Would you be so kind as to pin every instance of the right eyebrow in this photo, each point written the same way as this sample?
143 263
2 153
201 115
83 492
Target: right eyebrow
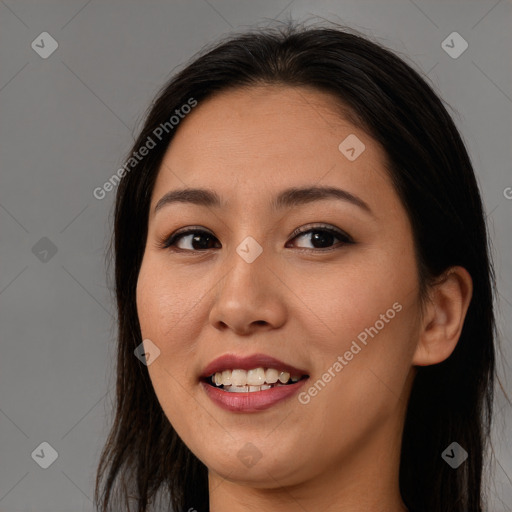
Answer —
199 196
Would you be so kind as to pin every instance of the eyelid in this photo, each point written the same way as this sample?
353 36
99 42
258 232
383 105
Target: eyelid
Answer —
166 241
324 227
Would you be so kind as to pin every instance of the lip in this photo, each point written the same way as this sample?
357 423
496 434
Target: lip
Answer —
252 401
236 362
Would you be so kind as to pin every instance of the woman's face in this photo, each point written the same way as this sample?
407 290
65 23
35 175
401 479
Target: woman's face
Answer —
343 311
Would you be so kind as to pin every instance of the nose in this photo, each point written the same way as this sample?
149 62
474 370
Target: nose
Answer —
249 298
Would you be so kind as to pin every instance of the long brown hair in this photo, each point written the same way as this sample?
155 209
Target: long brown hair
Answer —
432 172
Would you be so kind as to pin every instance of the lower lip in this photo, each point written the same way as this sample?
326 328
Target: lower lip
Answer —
252 401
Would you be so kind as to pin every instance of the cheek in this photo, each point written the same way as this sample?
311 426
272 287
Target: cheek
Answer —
162 304
161 310
369 317
145 296
168 306
344 302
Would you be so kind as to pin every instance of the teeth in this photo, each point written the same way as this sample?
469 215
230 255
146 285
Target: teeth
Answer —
226 378
250 389
284 377
239 377
239 389
255 378
271 376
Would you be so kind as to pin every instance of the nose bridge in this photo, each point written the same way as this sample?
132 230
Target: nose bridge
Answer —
244 296
247 255
247 261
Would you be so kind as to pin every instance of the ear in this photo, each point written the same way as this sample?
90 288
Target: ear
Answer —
444 316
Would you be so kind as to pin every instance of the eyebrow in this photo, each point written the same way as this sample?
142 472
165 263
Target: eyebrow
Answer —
286 199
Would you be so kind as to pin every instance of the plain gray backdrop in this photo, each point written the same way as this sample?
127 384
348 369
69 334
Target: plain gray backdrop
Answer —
67 120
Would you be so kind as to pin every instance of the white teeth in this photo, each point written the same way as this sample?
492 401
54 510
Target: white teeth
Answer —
256 377
239 377
237 389
226 378
271 376
284 377
250 389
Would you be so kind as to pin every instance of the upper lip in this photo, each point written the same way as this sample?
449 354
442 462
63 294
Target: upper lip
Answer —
236 362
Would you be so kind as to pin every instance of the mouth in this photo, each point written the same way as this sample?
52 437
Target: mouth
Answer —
250 384
252 381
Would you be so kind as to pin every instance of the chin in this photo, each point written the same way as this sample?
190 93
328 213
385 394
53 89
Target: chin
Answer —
266 472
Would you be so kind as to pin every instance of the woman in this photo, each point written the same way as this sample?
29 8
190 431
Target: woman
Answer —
304 289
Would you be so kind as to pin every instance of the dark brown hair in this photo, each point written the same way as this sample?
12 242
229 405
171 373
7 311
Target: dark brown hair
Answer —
432 172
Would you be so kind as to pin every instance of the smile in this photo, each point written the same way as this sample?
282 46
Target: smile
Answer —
254 380
250 383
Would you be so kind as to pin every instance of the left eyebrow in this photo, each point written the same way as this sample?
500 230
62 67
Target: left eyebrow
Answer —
288 198
297 196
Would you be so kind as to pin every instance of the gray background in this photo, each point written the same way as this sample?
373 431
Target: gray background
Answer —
66 123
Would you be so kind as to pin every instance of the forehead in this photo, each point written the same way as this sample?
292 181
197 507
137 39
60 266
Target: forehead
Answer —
256 139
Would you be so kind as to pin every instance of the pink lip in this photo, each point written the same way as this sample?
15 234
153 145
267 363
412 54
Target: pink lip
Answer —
251 401
234 362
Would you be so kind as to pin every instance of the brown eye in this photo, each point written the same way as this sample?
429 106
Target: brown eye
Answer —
199 240
322 237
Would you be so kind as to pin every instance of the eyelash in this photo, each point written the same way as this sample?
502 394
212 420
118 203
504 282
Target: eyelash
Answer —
168 242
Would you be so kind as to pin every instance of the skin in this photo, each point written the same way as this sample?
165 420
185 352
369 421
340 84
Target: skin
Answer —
296 302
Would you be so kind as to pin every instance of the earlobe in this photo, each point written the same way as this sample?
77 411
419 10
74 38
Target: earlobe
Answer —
444 317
